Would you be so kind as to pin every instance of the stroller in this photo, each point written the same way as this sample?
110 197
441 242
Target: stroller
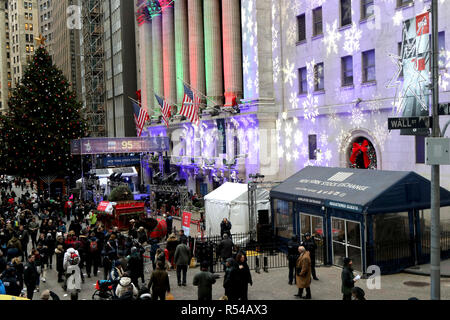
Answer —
104 290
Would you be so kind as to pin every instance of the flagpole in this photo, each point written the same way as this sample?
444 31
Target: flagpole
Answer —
209 99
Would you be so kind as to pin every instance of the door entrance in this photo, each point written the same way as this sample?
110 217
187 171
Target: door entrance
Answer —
346 242
314 226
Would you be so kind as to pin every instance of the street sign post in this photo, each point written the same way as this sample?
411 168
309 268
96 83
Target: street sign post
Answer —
409 123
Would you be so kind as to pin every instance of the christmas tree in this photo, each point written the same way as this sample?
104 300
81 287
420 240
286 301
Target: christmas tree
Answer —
43 117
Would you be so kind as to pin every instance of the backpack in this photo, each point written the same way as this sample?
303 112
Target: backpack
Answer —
2 288
93 246
74 259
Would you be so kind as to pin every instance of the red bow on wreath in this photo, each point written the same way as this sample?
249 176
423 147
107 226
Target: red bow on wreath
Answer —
360 148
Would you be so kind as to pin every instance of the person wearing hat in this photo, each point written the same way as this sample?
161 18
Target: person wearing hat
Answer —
311 246
135 266
204 281
348 279
358 294
11 282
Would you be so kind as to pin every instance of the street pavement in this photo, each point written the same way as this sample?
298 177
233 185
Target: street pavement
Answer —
273 285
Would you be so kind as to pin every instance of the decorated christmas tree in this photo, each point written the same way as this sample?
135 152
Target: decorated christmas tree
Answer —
43 117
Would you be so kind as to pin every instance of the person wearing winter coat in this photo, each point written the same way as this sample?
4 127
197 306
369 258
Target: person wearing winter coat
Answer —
311 246
125 285
33 228
204 281
31 276
70 264
93 257
136 266
225 228
159 283
348 279
18 265
182 259
14 248
244 277
230 279
11 282
225 249
171 246
303 273
24 238
59 252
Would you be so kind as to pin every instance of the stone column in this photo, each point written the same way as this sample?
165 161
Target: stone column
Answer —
232 50
168 46
196 46
213 51
181 47
158 85
146 62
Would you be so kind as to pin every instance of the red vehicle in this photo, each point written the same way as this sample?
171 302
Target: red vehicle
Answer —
124 211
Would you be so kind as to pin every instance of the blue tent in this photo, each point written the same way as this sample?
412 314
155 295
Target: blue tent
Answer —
375 217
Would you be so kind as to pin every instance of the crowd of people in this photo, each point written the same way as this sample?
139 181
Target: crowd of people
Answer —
64 236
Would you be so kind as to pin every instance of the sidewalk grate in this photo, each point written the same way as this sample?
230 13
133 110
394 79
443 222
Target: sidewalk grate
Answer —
416 283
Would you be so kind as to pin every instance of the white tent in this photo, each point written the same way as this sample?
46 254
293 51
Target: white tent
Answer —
231 201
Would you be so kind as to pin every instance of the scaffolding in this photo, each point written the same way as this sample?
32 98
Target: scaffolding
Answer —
94 71
253 186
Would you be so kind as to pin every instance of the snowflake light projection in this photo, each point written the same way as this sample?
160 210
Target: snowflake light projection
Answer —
444 64
245 65
332 37
289 73
310 74
294 100
292 35
352 37
357 118
333 119
381 133
398 18
250 48
341 140
310 106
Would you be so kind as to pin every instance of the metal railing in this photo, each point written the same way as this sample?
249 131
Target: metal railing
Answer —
260 256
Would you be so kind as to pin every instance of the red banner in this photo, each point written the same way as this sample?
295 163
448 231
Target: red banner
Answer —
186 222
102 206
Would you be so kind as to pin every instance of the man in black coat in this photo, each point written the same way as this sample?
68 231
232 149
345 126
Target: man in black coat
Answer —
225 249
348 279
292 257
30 275
225 227
311 246
230 279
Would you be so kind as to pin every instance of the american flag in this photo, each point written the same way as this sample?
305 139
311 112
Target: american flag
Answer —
165 109
140 117
190 106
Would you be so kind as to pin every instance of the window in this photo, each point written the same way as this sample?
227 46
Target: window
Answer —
367 9
400 54
368 66
31 27
30 6
318 77
312 146
303 81
31 48
27 48
284 218
441 46
346 12
301 25
420 149
26 16
347 71
317 21
401 3
25 4
26 26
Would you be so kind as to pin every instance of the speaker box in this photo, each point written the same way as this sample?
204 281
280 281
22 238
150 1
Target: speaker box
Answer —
264 233
166 162
263 217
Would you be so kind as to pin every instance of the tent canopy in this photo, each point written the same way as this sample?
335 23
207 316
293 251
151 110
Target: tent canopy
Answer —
231 201
358 190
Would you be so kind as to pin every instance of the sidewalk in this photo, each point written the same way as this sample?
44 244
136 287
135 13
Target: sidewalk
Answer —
424 269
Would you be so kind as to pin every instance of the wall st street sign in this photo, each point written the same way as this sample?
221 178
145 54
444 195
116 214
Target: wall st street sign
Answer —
409 123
